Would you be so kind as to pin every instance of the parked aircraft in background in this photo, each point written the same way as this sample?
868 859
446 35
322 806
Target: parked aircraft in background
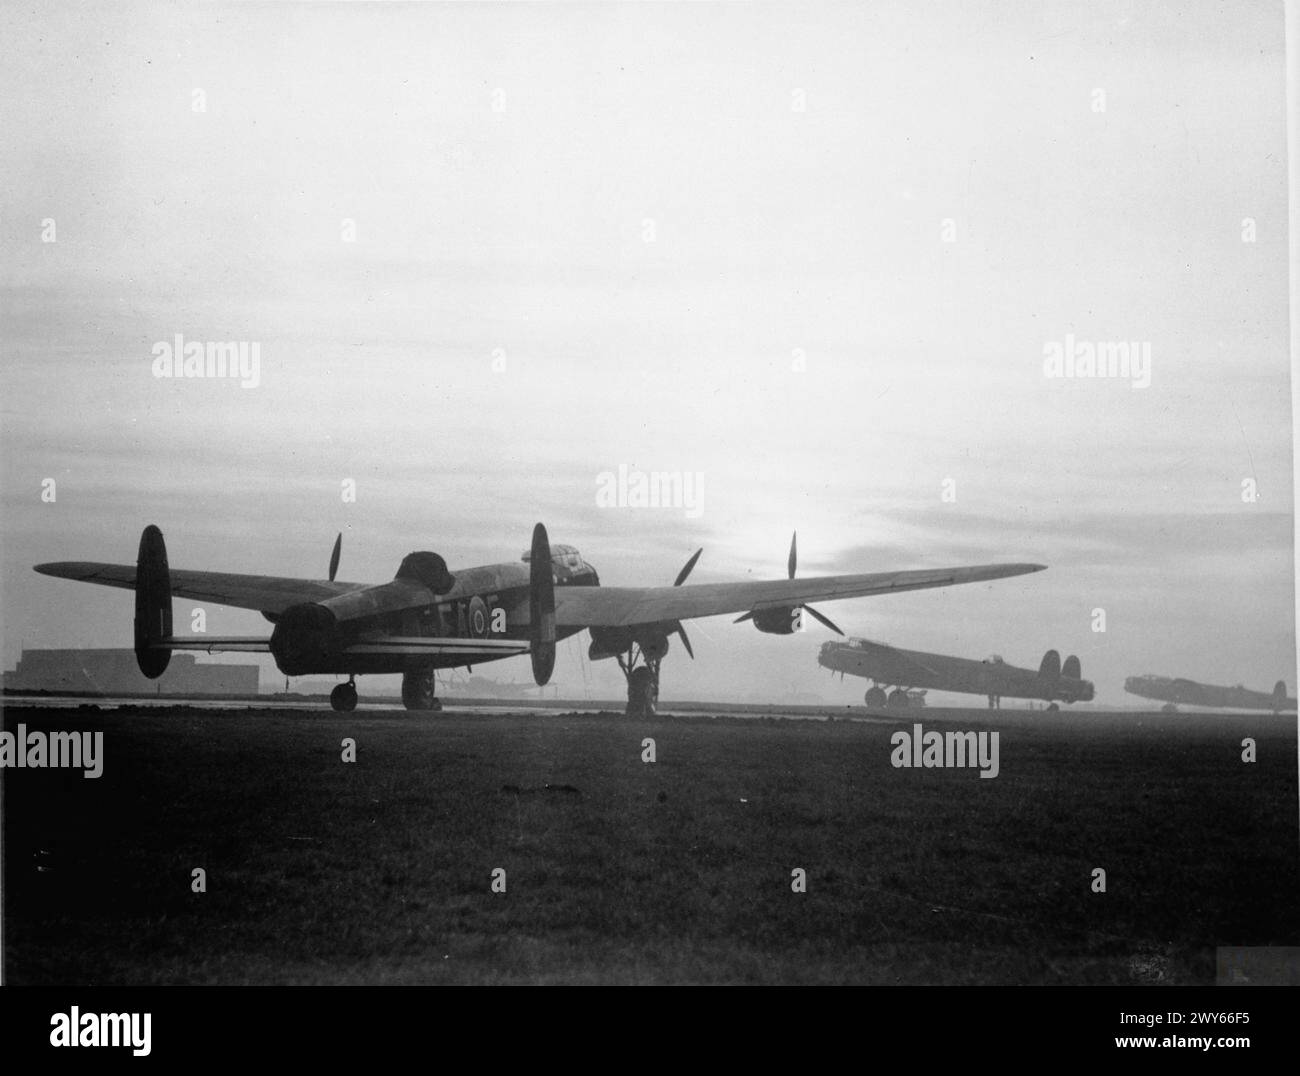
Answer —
888 666
1190 693
426 618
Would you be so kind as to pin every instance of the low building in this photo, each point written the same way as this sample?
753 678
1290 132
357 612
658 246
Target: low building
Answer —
114 672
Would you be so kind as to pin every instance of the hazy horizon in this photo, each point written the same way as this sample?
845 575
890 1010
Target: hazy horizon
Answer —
818 255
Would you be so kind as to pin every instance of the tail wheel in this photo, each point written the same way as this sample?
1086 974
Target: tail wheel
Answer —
642 692
418 691
1053 709
876 699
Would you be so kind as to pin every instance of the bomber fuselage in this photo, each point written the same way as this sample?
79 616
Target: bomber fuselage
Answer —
486 602
1190 693
916 669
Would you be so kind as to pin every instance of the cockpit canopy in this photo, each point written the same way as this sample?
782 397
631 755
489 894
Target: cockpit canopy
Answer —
565 555
568 564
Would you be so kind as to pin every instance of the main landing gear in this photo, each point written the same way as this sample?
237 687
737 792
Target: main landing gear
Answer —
877 699
642 681
417 693
344 696
418 690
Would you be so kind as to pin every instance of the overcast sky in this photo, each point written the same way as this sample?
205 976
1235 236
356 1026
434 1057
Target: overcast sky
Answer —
816 254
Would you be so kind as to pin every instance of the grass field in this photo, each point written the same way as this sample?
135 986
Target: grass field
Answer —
619 871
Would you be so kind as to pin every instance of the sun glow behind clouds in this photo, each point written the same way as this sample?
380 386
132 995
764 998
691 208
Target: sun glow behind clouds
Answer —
500 331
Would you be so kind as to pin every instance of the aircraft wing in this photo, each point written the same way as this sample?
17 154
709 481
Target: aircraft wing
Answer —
621 607
268 593
575 607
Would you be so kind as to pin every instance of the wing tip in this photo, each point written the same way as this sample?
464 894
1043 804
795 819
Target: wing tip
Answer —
997 571
82 570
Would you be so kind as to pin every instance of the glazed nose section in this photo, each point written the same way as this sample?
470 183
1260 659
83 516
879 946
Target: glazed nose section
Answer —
304 639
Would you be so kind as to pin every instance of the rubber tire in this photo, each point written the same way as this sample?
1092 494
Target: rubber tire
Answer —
642 693
418 691
343 698
898 699
876 699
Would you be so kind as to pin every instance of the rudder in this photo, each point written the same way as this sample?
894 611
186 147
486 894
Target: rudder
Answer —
1050 669
153 604
541 606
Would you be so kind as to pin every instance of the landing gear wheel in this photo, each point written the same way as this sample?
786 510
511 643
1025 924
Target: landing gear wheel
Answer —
344 697
642 692
898 699
1053 709
877 699
418 691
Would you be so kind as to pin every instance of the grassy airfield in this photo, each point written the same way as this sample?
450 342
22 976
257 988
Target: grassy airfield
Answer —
621 871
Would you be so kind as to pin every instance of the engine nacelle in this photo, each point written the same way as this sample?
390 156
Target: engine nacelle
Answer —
654 649
783 621
612 642
609 642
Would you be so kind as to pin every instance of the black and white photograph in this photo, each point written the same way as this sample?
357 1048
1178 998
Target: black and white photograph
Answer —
649 494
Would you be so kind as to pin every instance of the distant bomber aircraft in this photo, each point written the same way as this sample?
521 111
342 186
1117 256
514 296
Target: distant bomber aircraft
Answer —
428 619
906 669
1190 693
